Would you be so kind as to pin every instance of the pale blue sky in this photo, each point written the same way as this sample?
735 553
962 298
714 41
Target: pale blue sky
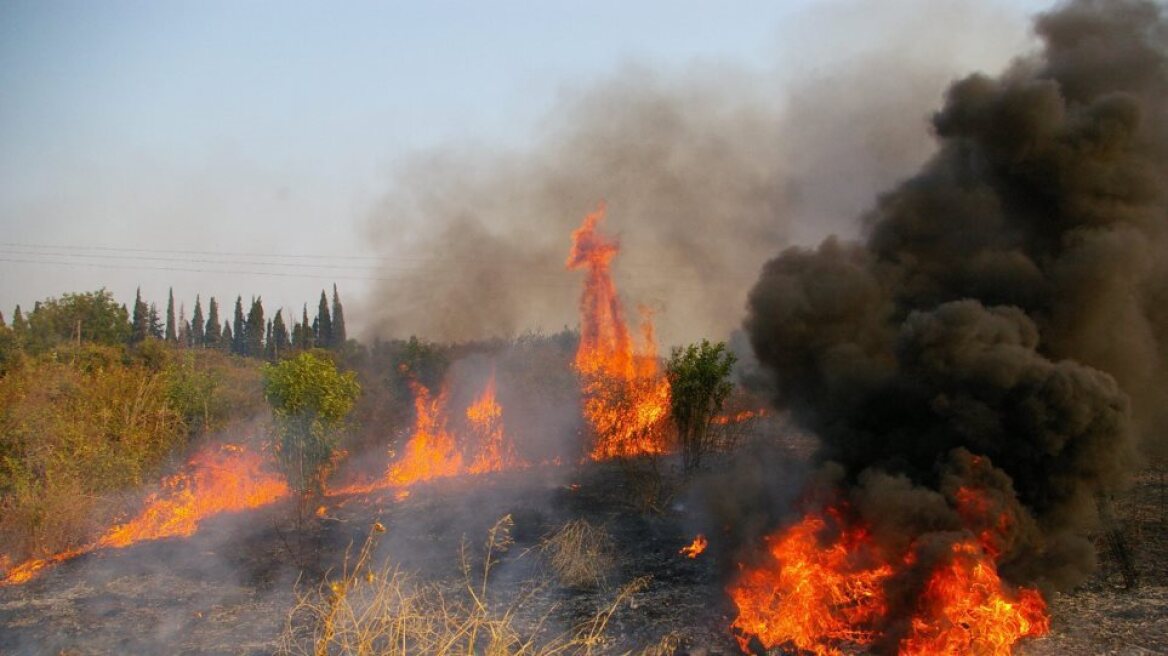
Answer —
264 127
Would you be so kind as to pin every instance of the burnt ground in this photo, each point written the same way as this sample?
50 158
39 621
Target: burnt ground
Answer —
228 589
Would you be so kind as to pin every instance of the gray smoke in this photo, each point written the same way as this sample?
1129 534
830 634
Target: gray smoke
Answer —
706 174
1007 302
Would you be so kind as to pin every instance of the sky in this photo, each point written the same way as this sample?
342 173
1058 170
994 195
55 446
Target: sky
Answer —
224 148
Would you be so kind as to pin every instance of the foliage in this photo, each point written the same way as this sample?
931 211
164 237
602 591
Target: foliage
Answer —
310 399
73 427
699 379
86 317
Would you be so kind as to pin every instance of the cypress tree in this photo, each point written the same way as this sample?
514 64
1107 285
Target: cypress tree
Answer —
19 325
227 338
156 329
140 327
253 336
212 335
239 329
278 341
324 323
198 330
306 331
339 336
171 327
2 324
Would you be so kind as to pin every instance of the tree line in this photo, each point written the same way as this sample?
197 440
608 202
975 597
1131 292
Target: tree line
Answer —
97 317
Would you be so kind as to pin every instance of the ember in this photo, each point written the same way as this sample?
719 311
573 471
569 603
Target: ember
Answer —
695 548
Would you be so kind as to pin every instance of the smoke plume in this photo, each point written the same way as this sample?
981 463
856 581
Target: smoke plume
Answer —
706 174
1002 325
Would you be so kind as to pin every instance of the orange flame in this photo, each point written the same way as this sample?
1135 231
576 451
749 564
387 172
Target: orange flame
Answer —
226 478
695 548
738 418
822 589
431 452
626 399
485 416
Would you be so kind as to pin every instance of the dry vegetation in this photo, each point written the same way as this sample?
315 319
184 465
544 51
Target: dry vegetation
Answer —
80 426
579 553
385 611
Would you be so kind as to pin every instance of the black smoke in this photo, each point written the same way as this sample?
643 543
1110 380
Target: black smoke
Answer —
1007 305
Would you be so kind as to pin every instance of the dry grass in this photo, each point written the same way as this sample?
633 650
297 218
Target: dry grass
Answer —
579 553
385 611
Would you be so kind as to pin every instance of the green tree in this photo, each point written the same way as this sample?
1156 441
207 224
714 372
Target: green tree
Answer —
699 379
85 317
253 336
19 325
198 329
228 340
310 399
171 327
213 333
324 323
306 331
239 329
338 327
156 328
278 343
140 329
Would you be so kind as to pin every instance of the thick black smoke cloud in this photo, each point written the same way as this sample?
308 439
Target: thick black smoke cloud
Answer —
1008 302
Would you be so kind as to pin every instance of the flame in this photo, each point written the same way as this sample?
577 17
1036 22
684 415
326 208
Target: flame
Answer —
626 398
485 417
822 589
431 451
738 418
695 548
217 479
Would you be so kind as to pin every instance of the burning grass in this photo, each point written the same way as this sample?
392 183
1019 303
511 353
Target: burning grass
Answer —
386 611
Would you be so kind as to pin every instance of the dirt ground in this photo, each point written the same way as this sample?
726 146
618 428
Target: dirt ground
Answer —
228 589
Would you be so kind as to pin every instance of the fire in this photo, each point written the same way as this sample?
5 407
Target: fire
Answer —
822 589
224 478
740 417
695 548
431 451
485 417
626 398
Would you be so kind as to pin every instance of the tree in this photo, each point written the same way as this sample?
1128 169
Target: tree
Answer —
278 343
253 337
239 329
699 384
156 327
19 325
2 324
198 329
338 327
171 327
228 341
89 316
310 399
324 323
213 333
140 327
306 331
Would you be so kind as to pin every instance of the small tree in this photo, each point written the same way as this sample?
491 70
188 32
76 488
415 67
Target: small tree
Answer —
699 384
310 399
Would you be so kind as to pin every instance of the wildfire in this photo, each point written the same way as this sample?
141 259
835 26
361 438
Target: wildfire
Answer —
740 417
485 417
626 398
431 451
224 478
823 588
695 548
